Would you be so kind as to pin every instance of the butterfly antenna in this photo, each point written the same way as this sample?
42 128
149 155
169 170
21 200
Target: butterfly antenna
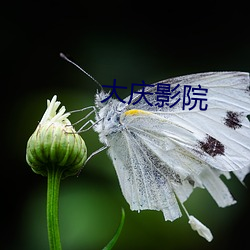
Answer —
68 60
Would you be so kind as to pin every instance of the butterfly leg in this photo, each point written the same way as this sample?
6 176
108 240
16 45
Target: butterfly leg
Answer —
86 116
91 155
83 129
96 152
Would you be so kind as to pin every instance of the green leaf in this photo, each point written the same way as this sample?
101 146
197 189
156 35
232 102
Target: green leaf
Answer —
117 234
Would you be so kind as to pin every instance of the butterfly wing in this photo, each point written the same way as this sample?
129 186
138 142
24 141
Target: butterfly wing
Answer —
222 132
142 185
163 152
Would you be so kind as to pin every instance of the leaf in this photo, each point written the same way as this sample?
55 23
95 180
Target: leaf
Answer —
117 234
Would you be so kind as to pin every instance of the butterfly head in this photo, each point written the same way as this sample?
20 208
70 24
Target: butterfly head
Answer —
100 97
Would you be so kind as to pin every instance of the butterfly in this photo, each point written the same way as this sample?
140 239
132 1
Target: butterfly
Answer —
161 153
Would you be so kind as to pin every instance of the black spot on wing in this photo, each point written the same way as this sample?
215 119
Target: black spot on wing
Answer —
233 119
212 146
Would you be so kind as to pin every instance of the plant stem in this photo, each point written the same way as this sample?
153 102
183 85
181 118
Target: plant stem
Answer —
54 177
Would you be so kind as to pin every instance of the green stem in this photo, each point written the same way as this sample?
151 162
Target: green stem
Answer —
54 177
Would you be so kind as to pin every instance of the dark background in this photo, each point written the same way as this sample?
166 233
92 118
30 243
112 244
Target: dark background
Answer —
129 41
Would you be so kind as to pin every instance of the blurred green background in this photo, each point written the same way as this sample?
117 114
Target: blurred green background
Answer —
131 42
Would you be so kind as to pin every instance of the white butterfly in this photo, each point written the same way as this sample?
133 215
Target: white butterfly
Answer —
161 154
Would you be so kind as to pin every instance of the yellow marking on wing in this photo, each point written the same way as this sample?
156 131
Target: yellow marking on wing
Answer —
137 112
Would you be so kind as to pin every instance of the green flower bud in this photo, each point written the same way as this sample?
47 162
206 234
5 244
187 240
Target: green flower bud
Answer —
55 144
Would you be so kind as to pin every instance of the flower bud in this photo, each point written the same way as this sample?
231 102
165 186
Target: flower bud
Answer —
55 144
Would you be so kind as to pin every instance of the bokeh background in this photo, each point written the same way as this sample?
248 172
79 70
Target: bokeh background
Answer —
130 41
